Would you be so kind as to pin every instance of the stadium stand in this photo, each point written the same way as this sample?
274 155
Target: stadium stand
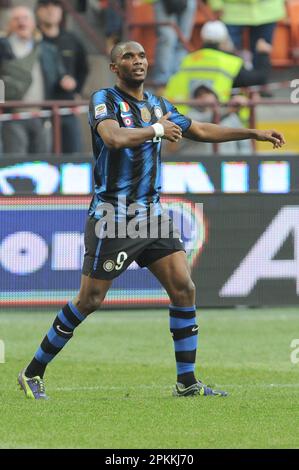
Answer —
293 12
141 27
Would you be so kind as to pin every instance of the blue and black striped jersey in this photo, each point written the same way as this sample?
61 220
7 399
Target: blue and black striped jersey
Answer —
128 174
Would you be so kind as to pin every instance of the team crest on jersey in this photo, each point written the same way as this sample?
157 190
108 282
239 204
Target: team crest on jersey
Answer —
127 120
124 107
158 112
145 114
100 110
109 265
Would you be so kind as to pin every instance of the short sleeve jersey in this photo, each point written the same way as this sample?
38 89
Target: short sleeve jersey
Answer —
130 174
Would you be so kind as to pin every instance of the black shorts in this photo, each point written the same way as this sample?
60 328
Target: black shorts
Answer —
107 258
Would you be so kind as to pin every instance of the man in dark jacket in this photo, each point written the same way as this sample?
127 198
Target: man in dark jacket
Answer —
49 17
32 71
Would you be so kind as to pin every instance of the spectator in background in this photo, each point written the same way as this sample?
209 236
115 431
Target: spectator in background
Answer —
214 64
32 71
81 5
4 6
106 15
113 23
260 16
207 102
169 50
49 17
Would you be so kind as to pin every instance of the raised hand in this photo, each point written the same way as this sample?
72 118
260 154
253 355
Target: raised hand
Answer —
68 83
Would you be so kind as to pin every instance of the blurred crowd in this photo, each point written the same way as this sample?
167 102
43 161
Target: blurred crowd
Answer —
40 59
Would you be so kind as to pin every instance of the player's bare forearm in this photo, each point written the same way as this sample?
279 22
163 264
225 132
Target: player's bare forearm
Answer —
205 132
116 137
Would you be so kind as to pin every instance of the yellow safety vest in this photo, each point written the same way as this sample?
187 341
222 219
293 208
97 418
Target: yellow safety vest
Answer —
209 66
249 12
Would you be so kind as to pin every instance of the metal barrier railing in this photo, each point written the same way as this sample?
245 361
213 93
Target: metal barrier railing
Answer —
49 109
54 110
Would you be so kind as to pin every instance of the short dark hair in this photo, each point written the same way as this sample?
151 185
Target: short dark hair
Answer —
116 50
118 47
42 3
203 89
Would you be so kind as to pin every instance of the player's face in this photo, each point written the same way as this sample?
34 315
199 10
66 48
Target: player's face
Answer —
131 65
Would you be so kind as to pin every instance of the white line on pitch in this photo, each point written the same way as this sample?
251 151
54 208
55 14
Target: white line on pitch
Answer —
165 387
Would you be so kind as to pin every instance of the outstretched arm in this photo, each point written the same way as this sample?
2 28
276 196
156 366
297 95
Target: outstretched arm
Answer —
205 132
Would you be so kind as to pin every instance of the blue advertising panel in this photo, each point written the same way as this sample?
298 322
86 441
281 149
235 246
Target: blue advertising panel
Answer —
42 248
50 175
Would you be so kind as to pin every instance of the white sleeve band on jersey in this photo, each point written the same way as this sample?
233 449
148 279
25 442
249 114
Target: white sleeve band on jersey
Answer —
159 129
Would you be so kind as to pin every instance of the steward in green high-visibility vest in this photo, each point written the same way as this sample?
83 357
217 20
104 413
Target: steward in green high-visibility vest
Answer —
219 69
249 12
215 68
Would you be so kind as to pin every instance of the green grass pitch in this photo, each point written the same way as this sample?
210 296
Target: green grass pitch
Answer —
111 386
